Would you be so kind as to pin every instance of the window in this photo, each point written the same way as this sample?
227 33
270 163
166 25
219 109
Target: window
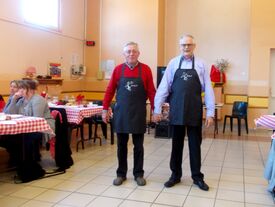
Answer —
44 13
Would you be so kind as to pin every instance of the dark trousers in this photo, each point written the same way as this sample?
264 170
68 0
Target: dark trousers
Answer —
194 142
31 143
13 145
122 150
22 147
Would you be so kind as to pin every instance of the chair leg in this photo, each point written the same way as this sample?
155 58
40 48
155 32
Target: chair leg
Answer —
81 138
95 135
239 126
224 123
90 128
231 124
104 129
246 125
82 134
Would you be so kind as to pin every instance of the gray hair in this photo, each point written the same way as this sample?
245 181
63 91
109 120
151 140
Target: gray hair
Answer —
131 43
188 35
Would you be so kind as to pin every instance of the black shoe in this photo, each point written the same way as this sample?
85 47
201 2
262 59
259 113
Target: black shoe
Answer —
201 184
171 182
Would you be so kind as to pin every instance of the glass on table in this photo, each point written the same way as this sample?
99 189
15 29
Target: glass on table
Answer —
55 99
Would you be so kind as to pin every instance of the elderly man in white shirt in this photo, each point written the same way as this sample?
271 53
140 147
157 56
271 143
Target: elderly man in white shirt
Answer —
184 80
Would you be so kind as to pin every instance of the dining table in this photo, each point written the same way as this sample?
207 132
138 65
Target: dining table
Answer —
14 124
76 113
19 124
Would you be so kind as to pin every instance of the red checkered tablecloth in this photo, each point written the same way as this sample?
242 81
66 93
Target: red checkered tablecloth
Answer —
267 121
24 125
75 114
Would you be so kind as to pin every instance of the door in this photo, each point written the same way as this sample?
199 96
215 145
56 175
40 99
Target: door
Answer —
271 107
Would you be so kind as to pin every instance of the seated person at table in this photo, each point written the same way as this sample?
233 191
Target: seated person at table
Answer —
10 142
31 104
13 90
2 103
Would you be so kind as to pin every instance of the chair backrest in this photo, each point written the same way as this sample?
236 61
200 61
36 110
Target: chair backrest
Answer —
63 114
98 102
239 108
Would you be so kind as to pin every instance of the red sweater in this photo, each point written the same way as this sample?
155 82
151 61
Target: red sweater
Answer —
146 76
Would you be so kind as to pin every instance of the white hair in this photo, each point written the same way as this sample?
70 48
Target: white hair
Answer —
130 43
187 35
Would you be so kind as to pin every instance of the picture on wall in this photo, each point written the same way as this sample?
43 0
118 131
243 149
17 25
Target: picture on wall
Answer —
55 70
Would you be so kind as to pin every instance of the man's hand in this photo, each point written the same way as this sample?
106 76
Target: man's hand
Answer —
208 121
105 116
156 118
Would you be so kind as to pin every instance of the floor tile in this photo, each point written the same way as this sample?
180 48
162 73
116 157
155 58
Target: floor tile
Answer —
117 192
11 201
235 186
29 192
257 198
92 189
105 180
223 203
68 186
143 195
8 188
152 186
255 188
105 202
33 203
170 199
233 168
53 196
192 201
77 199
46 183
230 195
128 203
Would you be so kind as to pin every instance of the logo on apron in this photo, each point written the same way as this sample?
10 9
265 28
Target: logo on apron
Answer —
185 76
129 85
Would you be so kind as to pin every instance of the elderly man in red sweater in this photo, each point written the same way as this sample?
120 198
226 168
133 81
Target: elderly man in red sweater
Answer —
132 82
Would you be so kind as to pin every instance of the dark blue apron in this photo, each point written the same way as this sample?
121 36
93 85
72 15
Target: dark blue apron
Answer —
130 108
185 97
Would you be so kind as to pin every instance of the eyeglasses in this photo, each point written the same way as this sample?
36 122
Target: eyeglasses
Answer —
131 51
187 45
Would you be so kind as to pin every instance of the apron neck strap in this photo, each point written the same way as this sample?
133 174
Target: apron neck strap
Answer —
193 62
124 66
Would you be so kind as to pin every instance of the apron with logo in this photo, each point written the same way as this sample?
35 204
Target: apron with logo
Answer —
130 108
185 98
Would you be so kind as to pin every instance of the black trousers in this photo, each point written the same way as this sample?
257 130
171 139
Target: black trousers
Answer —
194 141
122 151
22 147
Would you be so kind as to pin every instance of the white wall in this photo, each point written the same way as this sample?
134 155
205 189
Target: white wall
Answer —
221 29
129 20
23 45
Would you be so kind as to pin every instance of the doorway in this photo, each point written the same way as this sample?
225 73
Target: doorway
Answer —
271 105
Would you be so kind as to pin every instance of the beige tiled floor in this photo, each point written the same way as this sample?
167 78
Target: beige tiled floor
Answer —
233 167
